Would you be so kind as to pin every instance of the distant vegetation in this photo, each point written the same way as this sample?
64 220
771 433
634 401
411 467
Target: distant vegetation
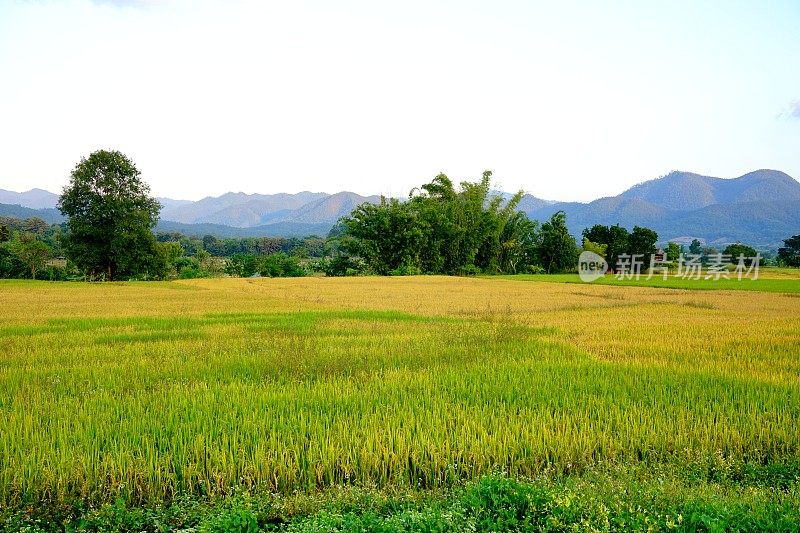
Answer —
440 229
761 208
616 240
789 254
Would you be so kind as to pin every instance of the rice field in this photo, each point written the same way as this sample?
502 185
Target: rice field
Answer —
148 392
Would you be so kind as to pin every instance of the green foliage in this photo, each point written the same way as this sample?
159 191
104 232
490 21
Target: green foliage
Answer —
673 251
388 236
111 215
51 235
280 265
190 272
695 248
242 265
441 230
341 265
613 500
231 520
599 249
311 246
30 251
189 268
10 264
557 248
642 241
615 238
737 250
519 244
789 254
277 265
36 225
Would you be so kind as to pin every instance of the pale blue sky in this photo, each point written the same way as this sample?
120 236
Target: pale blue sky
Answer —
567 100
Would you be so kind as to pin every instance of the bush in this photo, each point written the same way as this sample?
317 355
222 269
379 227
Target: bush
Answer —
342 265
534 269
735 250
192 273
469 270
280 265
242 265
405 270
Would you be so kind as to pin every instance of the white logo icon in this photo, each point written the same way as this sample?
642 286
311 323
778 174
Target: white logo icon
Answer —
591 266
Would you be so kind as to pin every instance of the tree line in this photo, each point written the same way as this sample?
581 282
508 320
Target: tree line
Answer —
444 229
440 229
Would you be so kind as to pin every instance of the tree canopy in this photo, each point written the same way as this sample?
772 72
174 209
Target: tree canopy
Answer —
442 229
558 251
110 218
31 252
789 253
617 240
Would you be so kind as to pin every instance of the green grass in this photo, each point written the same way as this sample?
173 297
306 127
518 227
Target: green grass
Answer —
358 419
763 284
600 501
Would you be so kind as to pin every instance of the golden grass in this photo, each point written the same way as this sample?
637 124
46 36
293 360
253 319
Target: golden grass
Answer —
150 389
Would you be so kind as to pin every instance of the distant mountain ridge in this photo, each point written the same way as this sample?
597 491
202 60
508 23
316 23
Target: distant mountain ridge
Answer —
685 190
236 209
32 199
252 210
42 199
760 208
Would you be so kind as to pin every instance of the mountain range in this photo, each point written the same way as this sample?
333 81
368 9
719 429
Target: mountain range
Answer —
760 208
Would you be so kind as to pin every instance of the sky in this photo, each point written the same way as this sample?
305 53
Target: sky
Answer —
566 100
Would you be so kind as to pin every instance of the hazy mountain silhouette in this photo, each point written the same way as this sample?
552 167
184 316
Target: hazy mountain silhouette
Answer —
34 198
237 209
761 207
686 191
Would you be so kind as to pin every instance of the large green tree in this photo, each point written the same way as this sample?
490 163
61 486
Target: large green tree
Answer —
519 244
387 235
673 251
442 230
642 241
737 250
557 248
111 216
615 238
